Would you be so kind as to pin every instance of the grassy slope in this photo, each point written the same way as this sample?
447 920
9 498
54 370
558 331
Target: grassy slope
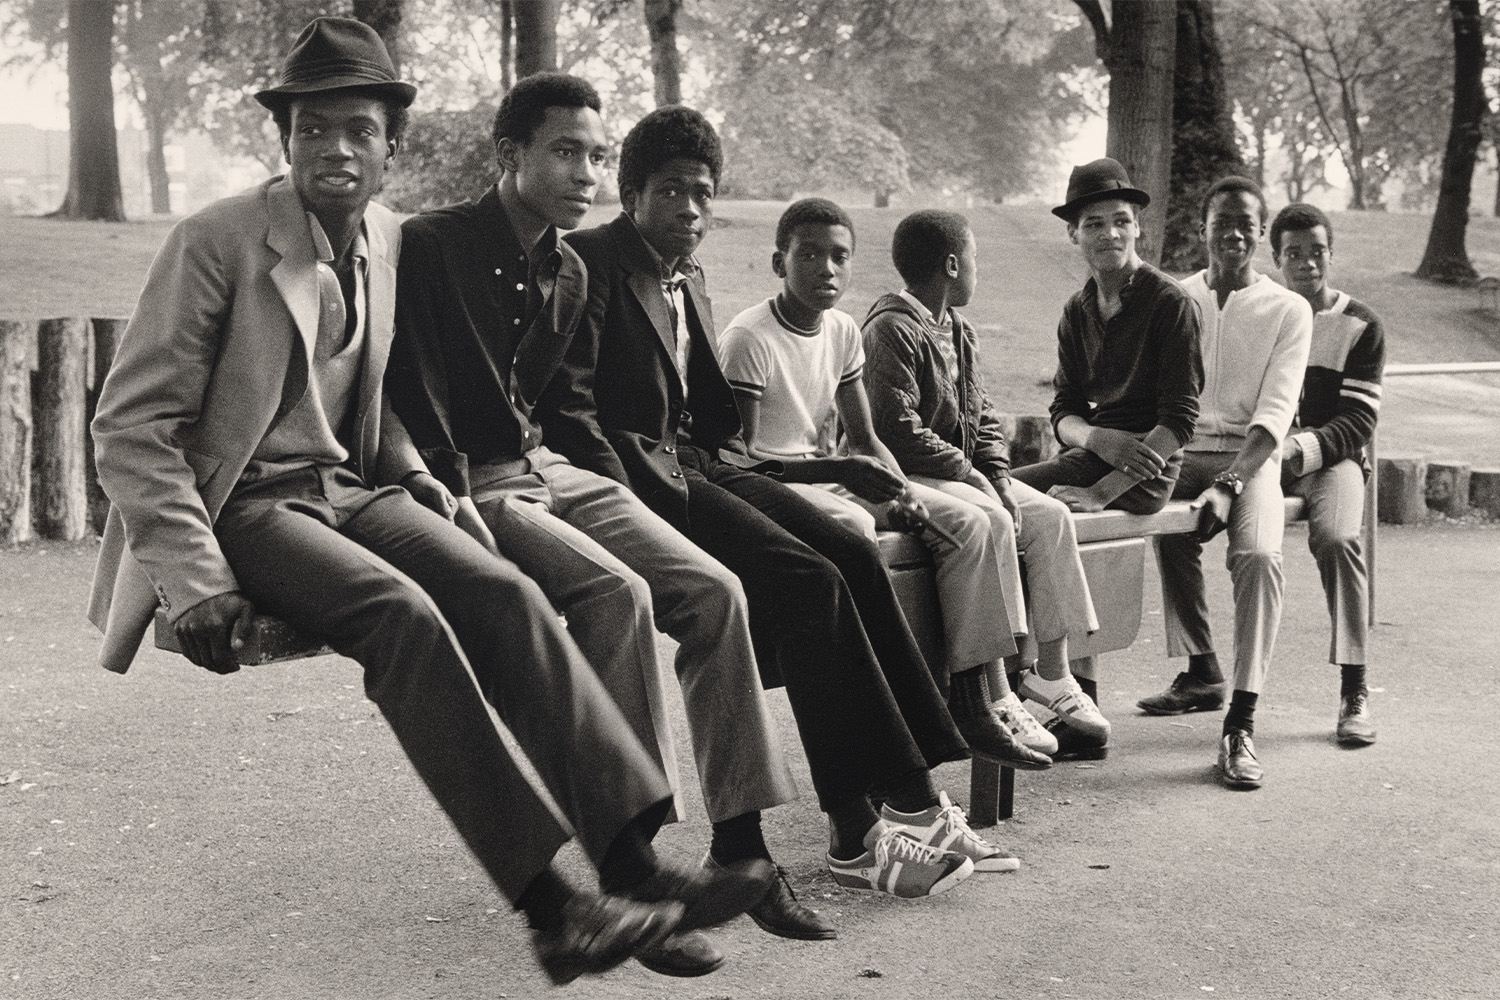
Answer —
1027 270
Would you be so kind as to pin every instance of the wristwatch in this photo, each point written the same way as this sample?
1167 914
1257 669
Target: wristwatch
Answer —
1235 483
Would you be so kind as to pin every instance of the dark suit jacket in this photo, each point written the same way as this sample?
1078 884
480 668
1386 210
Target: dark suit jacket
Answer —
617 405
470 356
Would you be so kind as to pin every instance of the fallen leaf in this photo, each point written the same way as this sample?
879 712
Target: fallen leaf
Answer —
1100 867
870 974
436 920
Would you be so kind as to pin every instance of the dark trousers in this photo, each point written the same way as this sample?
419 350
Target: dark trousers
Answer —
825 622
428 612
1081 467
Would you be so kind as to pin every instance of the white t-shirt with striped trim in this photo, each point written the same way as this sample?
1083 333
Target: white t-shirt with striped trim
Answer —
795 374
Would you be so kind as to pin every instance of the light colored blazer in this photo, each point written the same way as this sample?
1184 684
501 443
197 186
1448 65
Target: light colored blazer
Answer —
219 347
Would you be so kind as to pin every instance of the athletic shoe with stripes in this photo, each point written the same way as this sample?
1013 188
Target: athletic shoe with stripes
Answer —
945 827
896 862
1023 725
1067 701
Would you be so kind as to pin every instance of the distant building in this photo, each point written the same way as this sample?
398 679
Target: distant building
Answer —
34 171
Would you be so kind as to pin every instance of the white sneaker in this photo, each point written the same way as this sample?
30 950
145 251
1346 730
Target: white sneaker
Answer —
1068 702
896 862
1023 725
945 827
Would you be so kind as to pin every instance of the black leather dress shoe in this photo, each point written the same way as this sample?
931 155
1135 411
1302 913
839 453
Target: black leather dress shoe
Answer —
711 896
779 912
1074 745
597 933
689 953
988 737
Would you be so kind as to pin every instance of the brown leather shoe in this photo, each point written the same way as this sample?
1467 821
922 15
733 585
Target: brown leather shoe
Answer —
686 954
711 896
780 912
598 932
1186 694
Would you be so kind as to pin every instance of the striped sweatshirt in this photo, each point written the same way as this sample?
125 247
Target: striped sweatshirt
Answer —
1254 356
1341 393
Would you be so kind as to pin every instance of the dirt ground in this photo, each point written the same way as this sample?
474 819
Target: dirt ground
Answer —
171 833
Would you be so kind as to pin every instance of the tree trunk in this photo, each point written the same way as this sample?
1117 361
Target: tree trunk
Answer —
1142 51
93 157
60 486
385 17
1447 257
536 36
1203 146
666 61
156 164
15 431
507 45
1497 179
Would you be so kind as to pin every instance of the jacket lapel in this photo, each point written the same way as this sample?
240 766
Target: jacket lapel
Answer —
379 332
644 281
295 275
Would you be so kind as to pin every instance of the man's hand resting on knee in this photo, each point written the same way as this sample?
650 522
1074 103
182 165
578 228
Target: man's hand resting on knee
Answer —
212 632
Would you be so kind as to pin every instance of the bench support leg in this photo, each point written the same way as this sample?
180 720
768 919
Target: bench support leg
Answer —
992 793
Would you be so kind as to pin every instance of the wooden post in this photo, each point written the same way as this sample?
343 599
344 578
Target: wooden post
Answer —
107 334
61 489
15 430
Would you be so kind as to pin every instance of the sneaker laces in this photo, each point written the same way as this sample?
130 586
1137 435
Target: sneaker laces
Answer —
899 844
955 820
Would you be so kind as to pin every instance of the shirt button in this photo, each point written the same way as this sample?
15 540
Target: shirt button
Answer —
520 287
497 270
676 475
516 321
670 450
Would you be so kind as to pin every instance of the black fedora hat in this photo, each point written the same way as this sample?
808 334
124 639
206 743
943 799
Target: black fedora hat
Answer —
1103 178
335 53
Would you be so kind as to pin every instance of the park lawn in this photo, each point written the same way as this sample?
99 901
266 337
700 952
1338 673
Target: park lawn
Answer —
1027 269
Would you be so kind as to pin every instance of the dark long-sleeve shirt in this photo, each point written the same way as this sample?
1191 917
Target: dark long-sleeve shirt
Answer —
481 327
1341 393
1141 368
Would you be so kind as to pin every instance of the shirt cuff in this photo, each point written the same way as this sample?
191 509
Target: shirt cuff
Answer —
1312 451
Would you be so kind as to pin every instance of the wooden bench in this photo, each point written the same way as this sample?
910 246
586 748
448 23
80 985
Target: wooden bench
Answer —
1112 545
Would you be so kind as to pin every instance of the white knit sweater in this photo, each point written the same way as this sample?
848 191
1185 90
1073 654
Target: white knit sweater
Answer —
1254 356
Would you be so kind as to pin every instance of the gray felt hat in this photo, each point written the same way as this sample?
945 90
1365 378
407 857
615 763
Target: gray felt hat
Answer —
336 53
1103 178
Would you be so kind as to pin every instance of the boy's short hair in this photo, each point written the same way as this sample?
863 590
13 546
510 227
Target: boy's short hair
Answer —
1225 185
1296 217
810 212
524 108
666 134
397 117
923 242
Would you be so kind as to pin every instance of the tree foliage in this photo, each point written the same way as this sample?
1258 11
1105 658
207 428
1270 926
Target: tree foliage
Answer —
971 89
1374 74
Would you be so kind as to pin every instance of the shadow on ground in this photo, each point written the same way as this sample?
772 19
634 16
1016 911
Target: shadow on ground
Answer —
171 833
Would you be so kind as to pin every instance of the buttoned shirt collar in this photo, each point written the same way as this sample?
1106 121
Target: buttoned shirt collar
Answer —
323 247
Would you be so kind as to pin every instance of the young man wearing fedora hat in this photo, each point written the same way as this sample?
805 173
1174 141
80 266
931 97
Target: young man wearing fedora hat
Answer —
1128 368
254 465
1128 364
